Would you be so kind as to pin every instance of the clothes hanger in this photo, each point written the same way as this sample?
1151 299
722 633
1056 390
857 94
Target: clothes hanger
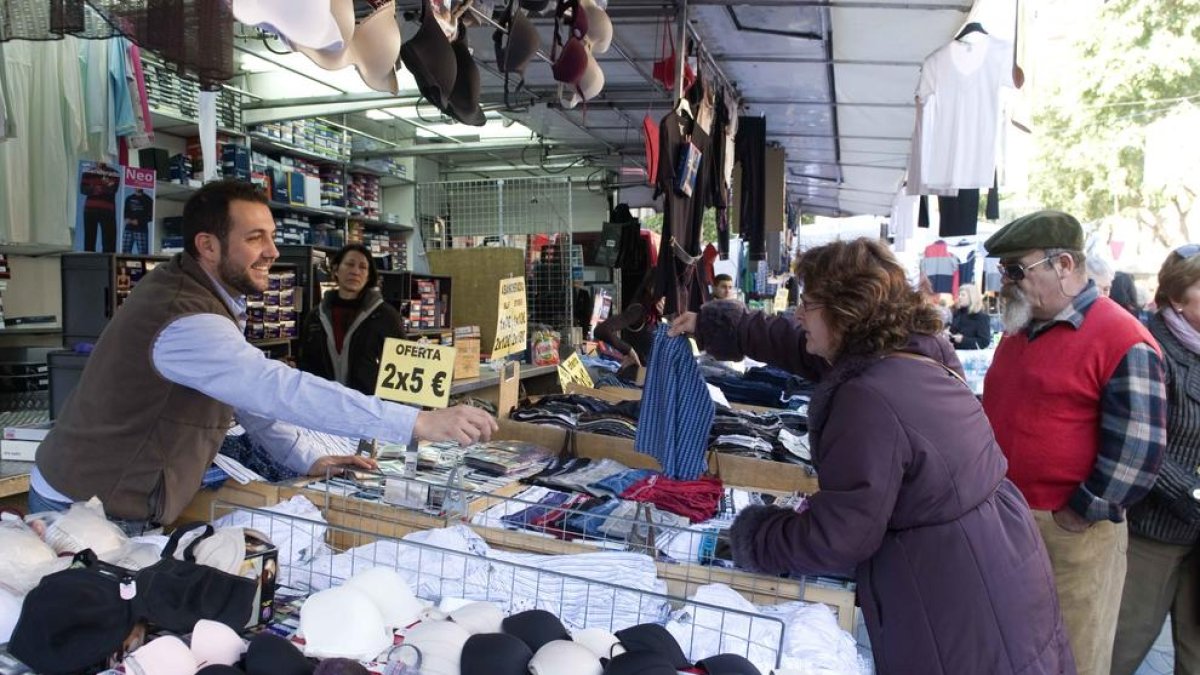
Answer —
973 27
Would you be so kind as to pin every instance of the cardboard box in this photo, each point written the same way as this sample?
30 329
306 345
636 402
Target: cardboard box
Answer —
466 358
261 563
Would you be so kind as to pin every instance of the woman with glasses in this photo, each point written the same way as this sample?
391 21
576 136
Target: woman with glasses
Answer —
1163 573
971 327
343 337
952 575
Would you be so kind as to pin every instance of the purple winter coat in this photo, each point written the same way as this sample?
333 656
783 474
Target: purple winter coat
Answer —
953 578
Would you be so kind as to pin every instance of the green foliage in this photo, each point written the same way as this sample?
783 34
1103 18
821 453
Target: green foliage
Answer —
1137 64
708 227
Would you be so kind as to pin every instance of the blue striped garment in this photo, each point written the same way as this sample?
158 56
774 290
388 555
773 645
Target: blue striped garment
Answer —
677 411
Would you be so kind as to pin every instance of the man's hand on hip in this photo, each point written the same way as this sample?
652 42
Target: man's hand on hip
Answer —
1070 521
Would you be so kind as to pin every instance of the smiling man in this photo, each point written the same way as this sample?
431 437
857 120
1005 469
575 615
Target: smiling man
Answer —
1076 398
173 370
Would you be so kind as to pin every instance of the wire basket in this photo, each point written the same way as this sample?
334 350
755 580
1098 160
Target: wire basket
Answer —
613 592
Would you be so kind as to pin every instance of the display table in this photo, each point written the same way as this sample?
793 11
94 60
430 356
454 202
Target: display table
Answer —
14 478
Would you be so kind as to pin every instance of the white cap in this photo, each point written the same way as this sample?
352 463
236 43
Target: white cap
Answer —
163 656
85 526
22 556
564 657
10 611
343 622
215 643
440 644
602 643
224 550
391 594
479 617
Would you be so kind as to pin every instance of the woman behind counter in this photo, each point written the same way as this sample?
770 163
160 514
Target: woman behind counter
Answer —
971 327
952 574
343 339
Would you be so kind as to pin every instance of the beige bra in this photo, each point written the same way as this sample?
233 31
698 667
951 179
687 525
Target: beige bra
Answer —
372 46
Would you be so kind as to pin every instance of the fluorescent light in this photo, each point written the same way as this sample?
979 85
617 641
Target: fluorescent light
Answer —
253 64
379 115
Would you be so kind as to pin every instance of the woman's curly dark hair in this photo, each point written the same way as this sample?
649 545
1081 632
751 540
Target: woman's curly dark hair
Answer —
867 298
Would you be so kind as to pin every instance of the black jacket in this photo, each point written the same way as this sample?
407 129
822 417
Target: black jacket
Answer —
976 329
358 365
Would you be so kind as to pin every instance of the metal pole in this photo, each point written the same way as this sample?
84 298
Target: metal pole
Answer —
681 48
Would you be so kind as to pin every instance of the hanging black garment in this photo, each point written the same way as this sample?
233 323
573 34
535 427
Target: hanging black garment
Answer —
959 215
750 151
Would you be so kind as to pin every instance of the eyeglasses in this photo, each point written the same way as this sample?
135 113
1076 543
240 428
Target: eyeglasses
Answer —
808 306
1187 251
1016 271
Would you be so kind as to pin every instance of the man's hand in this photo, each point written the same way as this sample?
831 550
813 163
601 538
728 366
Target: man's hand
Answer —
1071 521
956 338
341 463
684 324
462 423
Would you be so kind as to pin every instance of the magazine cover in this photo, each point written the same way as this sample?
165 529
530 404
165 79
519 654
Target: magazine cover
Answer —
96 222
136 205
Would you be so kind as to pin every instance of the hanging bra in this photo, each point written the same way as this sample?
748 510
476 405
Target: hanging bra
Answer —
372 46
431 59
463 103
572 61
600 28
514 54
310 23
589 86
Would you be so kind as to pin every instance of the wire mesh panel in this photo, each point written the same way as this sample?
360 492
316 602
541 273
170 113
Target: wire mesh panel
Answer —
447 566
688 556
532 214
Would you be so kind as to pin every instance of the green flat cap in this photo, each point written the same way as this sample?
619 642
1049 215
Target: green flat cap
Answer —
1042 229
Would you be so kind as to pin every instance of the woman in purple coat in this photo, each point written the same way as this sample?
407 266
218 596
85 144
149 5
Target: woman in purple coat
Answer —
953 578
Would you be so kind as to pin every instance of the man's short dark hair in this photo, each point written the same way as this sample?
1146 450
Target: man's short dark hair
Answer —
208 210
722 277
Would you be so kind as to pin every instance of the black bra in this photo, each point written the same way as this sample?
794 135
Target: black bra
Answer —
463 104
431 59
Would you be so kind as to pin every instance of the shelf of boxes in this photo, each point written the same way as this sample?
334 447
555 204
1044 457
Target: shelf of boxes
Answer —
272 315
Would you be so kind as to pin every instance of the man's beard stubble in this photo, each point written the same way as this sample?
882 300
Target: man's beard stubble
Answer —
1017 312
237 279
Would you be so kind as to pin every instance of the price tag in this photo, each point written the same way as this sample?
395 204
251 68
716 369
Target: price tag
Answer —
415 373
572 371
511 320
781 298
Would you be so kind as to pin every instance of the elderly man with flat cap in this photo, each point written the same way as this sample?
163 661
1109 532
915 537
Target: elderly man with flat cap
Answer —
1077 400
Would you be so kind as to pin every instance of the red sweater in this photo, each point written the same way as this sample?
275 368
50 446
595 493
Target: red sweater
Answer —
1043 399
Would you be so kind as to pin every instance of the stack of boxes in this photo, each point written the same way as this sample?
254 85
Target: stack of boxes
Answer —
333 187
293 228
362 194
308 135
425 310
169 94
272 314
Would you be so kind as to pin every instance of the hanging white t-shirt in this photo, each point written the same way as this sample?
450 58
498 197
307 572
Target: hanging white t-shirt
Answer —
904 220
958 114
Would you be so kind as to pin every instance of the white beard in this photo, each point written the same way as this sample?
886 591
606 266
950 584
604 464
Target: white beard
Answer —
1017 312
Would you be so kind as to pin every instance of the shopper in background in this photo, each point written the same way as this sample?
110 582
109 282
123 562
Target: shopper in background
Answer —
723 287
1100 273
1076 397
632 332
173 369
343 339
971 327
1124 293
952 576
1164 564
